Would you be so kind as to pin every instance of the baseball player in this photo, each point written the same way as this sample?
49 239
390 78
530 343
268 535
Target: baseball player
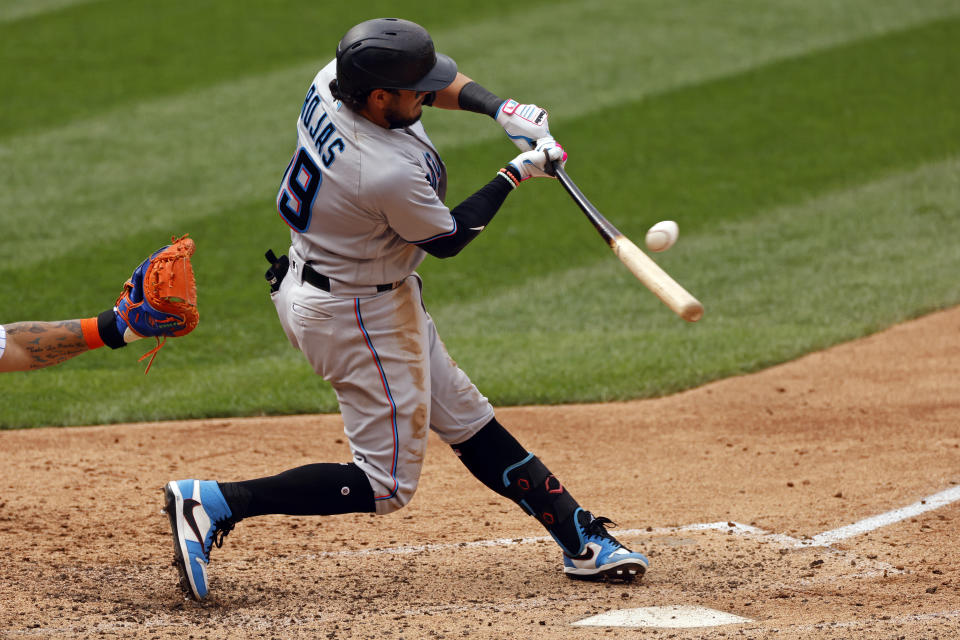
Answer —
363 196
25 346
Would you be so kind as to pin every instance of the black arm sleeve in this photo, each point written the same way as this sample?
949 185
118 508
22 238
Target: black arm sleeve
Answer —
475 98
470 217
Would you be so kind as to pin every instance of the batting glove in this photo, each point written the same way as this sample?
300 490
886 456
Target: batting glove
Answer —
539 163
524 123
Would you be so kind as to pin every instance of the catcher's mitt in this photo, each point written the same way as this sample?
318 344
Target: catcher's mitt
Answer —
160 298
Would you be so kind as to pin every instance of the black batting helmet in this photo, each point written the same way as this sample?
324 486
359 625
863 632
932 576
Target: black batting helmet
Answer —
390 53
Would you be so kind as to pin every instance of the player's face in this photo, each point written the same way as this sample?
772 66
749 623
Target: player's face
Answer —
403 108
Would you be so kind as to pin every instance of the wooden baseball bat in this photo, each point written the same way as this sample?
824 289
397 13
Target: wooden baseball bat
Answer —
640 264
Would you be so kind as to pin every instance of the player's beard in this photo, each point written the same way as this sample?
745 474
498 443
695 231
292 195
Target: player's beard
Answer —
397 121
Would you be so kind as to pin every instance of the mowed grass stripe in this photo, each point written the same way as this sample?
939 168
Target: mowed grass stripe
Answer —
239 344
794 279
75 58
731 148
93 56
11 10
698 155
170 162
613 52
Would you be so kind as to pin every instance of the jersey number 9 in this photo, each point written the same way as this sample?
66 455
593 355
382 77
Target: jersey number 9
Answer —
298 191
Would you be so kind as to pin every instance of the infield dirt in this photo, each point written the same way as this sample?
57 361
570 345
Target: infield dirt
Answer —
803 448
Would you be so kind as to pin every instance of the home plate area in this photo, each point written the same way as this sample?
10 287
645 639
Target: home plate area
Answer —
675 617
722 575
716 574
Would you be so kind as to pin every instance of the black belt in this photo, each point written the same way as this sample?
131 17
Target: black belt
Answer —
321 281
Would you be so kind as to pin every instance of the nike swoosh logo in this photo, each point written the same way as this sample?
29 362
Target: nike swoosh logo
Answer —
478 228
189 505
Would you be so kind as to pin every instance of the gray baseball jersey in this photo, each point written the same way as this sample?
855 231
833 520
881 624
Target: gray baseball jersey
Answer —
3 340
358 199
357 196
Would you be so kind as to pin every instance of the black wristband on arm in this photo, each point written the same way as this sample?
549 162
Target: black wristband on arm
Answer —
475 98
107 328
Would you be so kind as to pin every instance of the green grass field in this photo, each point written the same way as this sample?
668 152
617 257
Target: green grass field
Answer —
808 150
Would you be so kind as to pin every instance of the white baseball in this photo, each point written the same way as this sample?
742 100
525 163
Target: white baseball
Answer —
662 235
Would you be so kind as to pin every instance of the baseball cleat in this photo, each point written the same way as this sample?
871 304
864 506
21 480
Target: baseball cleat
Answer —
199 518
602 557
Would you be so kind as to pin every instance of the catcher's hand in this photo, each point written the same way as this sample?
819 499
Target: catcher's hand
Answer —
160 298
524 123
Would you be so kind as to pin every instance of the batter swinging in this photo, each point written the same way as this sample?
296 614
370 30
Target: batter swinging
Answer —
363 196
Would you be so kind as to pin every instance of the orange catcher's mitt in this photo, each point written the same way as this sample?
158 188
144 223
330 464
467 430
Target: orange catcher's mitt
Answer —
160 298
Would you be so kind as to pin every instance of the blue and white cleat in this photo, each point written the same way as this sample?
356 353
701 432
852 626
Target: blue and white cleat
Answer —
601 557
199 518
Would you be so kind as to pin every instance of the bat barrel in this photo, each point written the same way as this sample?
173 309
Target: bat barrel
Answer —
680 301
640 264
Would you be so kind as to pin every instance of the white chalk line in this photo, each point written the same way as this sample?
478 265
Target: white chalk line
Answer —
825 539
783 541
870 567
822 540
866 525
733 527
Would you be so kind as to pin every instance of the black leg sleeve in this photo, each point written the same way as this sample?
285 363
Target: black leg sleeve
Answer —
502 464
313 490
488 453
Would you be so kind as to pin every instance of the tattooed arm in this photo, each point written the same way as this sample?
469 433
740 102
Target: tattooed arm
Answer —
35 345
